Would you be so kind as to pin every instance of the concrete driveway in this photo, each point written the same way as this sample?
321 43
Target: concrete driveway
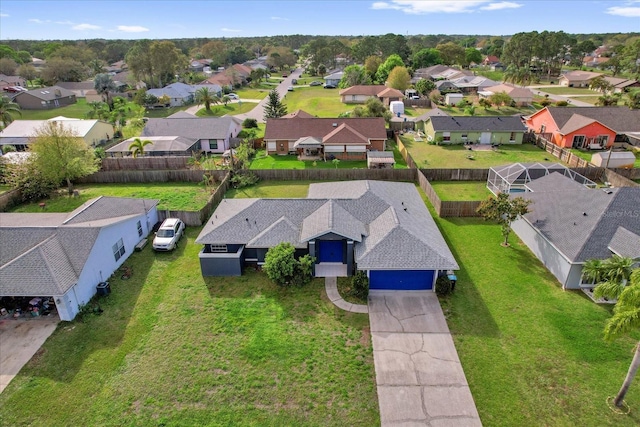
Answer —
19 341
418 373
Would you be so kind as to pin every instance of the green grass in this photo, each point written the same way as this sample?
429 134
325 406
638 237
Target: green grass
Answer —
160 113
461 190
563 90
4 188
271 189
262 161
317 101
584 155
455 156
77 111
172 195
229 109
174 349
250 92
532 353
589 99
493 111
345 291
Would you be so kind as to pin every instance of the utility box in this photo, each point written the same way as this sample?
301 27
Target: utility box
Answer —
103 288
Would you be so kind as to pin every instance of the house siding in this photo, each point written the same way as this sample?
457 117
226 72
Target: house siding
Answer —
30 102
590 132
100 132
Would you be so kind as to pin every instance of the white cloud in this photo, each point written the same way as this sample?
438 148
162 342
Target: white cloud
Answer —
132 29
418 7
628 11
63 22
83 27
4 15
230 30
501 5
278 18
38 21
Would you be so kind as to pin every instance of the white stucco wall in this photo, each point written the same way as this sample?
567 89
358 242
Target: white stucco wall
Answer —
558 265
99 132
101 263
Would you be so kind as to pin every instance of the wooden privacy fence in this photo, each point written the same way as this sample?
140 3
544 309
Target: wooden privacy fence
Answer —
405 154
144 163
9 199
335 174
456 174
447 209
617 180
125 176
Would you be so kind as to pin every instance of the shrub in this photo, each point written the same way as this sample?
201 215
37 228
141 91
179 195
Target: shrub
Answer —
443 286
243 179
360 285
8 148
561 103
249 123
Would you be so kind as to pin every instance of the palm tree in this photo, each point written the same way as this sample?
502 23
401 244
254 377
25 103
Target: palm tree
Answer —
611 275
137 147
207 97
626 318
225 100
104 84
7 109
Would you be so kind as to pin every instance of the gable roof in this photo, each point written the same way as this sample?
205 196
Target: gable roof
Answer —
191 127
301 114
619 119
30 128
625 243
47 93
578 75
344 134
580 222
159 143
388 221
293 129
44 253
381 91
477 123
512 91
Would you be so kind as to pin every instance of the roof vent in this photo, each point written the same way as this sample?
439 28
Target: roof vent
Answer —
334 125
607 190
584 214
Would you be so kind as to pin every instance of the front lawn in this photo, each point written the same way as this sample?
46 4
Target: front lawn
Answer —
174 349
461 190
172 195
564 90
74 111
532 353
316 100
458 156
231 108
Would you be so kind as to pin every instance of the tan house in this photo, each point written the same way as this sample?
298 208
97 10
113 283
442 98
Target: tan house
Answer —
45 98
360 93
325 138
521 95
20 132
577 78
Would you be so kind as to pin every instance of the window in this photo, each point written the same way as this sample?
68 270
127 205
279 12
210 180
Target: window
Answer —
578 141
463 136
602 140
139 229
446 136
213 144
543 128
118 249
218 248
512 137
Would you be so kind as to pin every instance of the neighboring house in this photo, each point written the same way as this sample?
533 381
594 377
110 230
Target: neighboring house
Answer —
621 85
92 132
182 93
445 86
475 129
80 89
243 71
333 79
213 134
360 93
199 65
577 78
594 61
473 84
117 67
160 146
256 63
422 118
570 224
490 60
382 228
441 72
11 81
341 138
221 79
520 95
66 255
45 98
585 127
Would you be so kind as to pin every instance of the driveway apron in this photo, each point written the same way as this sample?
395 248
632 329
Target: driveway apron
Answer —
419 377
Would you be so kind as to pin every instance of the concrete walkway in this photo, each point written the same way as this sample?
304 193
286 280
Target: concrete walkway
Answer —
418 373
331 287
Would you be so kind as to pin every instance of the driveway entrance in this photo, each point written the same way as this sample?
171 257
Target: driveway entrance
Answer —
418 373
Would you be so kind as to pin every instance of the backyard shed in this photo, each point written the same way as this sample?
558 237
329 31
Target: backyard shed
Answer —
380 160
453 98
614 159
513 178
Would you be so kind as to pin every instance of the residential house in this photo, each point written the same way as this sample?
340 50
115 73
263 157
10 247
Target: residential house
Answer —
260 62
446 86
45 98
360 93
182 93
241 70
475 129
470 85
420 120
213 134
381 228
64 256
199 65
621 85
6 81
333 79
117 67
586 127
594 61
441 72
570 224
80 89
160 146
577 78
520 95
490 60
92 132
341 138
301 114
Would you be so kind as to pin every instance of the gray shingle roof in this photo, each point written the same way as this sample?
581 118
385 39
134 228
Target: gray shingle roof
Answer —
478 123
194 127
625 243
581 222
160 143
620 119
390 220
49 93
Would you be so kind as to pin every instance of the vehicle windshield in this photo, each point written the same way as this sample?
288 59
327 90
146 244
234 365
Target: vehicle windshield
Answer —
165 233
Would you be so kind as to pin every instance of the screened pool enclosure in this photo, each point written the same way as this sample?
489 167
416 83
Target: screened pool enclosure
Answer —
513 178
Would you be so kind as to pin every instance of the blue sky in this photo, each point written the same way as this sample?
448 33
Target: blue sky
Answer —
85 19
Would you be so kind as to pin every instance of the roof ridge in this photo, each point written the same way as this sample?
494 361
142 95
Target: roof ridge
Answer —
87 206
27 252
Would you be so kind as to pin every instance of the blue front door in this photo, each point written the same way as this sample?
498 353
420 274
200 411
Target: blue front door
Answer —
405 280
330 251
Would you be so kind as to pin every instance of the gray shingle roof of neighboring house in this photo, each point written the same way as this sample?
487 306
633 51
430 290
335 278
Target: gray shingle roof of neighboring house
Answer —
193 127
49 93
625 243
480 123
433 112
581 222
295 128
388 220
620 119
44 254
181 90
160 143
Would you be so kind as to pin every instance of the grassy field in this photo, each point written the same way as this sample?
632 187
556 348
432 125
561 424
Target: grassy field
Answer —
493 111
174 349
585 155
457 156
231 109
589 99
172 195
533 354
248 92
563 90
4 188
271 189
76 111
316 100
461 190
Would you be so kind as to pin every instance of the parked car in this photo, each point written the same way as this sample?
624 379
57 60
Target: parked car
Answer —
294 81
315 83
290 88
15 89
168 235
233 96
329 86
